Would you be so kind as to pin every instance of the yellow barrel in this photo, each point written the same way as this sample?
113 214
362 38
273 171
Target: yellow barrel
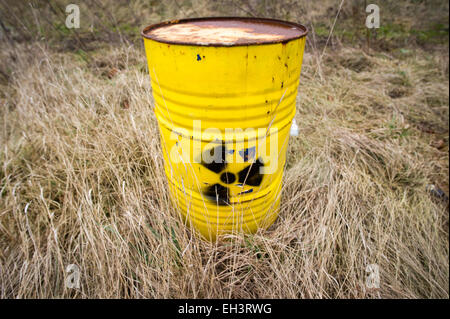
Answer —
225 94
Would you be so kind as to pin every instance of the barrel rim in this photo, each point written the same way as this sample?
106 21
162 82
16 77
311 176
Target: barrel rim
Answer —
256 42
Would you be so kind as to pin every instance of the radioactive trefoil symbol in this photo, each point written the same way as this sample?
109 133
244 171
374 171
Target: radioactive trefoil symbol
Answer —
250 175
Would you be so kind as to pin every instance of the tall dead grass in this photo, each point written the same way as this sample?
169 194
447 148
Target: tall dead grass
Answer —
82 182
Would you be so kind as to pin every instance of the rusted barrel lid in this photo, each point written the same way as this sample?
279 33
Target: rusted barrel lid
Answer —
224 31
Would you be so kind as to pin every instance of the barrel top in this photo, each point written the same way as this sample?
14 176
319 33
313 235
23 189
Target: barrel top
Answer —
224 31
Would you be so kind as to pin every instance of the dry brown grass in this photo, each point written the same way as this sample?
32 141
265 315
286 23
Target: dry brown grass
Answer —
81 177
82 183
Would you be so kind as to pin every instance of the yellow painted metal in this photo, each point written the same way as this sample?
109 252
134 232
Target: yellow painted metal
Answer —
247 86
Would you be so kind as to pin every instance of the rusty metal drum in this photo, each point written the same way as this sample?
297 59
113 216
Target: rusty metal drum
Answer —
225 95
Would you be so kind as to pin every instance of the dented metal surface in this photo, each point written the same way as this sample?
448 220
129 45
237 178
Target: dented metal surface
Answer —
237 88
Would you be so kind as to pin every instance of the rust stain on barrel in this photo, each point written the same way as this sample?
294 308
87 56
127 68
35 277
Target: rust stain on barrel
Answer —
224 31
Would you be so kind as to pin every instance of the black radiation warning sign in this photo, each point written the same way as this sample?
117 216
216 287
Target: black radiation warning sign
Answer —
219 192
